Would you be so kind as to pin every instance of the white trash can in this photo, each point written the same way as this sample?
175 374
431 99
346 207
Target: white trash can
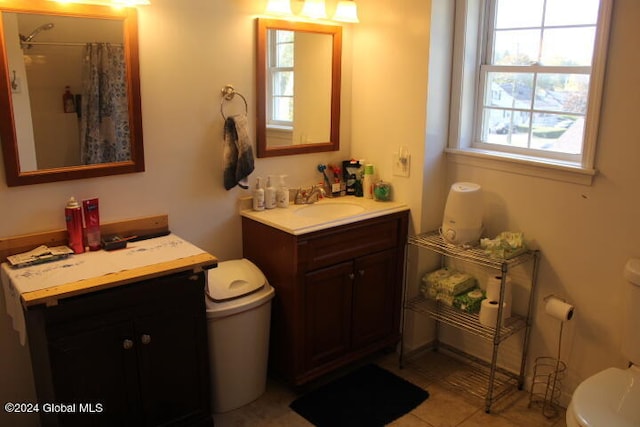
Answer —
238 300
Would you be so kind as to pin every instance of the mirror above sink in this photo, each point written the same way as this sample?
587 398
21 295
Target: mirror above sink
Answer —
298 82
54 125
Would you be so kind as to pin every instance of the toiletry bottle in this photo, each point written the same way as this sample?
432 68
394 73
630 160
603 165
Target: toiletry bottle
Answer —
68 101
282 193
92 223
269 195
258 196
358 186
369 179
337 182
73 218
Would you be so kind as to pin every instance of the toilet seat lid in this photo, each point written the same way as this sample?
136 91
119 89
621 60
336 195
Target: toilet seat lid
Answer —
609 398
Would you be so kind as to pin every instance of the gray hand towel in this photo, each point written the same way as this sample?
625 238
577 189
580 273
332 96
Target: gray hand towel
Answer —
238 154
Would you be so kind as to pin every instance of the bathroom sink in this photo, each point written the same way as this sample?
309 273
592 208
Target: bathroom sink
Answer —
326 213
329 210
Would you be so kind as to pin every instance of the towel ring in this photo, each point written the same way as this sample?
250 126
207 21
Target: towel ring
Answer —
228 92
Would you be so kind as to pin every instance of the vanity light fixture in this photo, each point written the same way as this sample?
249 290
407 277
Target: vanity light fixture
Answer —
314 9
346 11
279 7
116 3
132 2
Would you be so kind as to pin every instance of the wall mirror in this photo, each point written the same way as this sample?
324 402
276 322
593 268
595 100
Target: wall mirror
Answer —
298 87
70 91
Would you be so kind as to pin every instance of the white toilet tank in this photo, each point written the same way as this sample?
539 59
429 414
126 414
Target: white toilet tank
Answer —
631 331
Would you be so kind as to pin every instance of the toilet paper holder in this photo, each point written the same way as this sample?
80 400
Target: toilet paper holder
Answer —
548 372
558 308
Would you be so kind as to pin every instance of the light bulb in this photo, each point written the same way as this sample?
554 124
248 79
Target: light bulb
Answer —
346 11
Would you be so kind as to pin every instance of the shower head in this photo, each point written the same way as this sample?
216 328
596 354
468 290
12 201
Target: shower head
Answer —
32 34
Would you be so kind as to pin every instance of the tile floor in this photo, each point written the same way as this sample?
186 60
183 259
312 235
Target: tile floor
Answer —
443 408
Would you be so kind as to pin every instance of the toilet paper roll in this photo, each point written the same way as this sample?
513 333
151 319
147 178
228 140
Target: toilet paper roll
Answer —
489 313
558 309
493 293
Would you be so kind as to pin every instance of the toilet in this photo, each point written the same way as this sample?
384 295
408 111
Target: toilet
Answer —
611 398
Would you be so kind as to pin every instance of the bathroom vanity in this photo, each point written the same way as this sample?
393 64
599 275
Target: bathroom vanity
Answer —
128 347
337 273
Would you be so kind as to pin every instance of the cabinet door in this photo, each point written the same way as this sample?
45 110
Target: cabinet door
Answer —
327 296
375 298
172 351
97 367
173 375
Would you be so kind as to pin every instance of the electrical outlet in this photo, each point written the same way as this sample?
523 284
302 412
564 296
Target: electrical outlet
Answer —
401 164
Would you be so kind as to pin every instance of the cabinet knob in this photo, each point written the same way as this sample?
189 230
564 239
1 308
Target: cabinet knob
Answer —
145 338
351 276
127 344
361 273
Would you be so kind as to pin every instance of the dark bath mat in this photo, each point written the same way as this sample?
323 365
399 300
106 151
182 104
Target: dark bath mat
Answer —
369 397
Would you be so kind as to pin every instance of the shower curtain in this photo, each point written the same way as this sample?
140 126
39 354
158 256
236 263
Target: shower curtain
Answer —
104 122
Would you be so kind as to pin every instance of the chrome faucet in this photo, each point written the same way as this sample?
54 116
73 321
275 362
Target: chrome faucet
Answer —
306 197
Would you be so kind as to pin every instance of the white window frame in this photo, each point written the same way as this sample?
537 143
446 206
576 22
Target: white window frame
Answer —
469 40
271 71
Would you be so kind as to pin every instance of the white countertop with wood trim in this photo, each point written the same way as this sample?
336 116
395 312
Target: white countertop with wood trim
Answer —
93 271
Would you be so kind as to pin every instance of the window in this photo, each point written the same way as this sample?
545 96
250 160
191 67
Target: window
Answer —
529 80
280 79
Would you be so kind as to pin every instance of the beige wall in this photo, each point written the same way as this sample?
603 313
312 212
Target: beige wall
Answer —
585 233
190 50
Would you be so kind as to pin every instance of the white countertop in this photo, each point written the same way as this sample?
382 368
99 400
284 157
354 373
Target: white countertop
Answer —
289 221
91 271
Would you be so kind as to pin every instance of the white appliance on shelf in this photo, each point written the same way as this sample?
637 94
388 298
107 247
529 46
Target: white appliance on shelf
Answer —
462 222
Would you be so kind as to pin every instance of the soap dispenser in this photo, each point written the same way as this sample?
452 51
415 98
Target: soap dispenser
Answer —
269 195
282 193
258 196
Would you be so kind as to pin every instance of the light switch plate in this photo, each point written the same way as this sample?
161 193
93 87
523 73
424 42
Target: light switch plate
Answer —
401 165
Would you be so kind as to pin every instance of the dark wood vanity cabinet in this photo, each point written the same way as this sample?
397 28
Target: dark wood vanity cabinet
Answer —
135 355
337 292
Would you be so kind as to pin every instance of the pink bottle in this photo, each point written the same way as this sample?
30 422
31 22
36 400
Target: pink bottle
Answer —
92 223
73 218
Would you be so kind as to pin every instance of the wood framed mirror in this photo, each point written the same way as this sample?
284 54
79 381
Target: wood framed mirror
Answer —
52 126
298 87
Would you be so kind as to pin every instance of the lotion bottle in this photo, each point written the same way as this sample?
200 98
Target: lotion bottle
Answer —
73 218
282 193
269 195
258 196
369 180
